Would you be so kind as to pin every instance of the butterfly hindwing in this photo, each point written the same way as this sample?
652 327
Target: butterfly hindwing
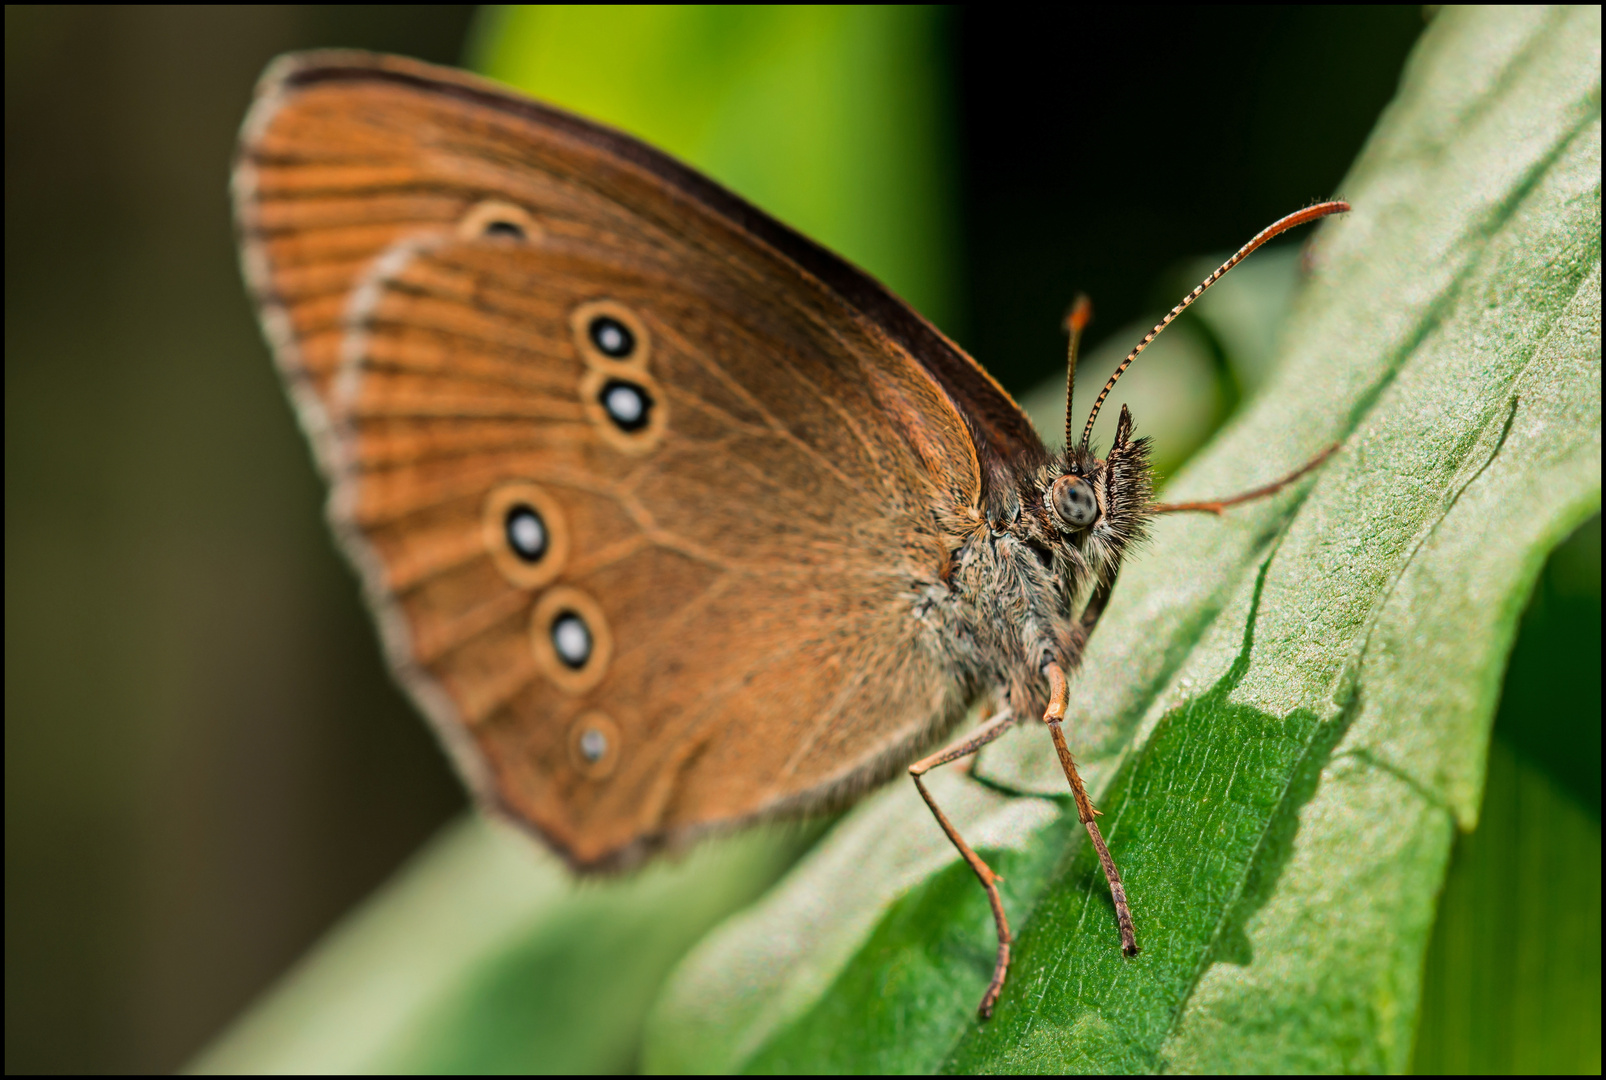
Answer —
648 503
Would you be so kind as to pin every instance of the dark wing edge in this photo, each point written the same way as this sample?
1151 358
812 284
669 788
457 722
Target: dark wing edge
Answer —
998 427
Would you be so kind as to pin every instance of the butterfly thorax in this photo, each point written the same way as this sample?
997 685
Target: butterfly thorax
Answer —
1020 580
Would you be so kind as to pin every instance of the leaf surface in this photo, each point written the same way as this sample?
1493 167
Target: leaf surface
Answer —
1285 714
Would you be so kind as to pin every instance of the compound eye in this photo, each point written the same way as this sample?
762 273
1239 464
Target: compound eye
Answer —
1073 500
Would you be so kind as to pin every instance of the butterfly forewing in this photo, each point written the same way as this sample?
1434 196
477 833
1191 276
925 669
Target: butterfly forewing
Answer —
647 508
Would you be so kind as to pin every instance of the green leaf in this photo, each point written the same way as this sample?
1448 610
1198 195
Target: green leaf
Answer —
484 955
1512 983
746 983
1285 714
1512 979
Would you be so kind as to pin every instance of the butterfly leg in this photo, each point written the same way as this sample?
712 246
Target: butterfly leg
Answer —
1084 806
1216 506
979 738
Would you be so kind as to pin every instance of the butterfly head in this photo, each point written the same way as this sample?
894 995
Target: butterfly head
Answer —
1084 510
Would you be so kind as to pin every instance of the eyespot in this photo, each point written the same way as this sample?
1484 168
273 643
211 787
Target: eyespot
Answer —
627 405
570 639
525 532
593 745
1073 501
595 742
610 336
627 409
496 219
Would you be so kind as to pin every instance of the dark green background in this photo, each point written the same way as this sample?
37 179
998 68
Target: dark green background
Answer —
205 761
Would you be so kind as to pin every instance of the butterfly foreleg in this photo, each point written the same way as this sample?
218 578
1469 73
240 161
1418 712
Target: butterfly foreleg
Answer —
973 742
1084 806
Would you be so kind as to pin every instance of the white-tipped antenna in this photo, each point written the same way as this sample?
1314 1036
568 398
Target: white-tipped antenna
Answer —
1310 213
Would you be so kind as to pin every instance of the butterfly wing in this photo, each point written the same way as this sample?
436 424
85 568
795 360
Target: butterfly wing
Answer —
653 497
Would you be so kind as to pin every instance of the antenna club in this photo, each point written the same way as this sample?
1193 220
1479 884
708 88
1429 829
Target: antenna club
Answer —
1079 315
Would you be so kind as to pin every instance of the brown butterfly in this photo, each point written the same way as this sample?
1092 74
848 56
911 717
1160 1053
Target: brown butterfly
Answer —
671 519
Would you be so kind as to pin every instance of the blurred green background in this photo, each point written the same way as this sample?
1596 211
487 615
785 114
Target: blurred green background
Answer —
206 763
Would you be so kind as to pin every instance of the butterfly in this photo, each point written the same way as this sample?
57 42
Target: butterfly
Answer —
670 518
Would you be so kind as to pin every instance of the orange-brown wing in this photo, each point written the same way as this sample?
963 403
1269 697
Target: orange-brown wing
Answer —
303 259
651 512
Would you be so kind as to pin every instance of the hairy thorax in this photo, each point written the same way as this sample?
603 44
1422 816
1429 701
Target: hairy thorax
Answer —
1017 582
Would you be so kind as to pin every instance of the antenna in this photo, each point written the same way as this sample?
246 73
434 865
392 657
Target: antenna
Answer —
1310 213
1076 320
